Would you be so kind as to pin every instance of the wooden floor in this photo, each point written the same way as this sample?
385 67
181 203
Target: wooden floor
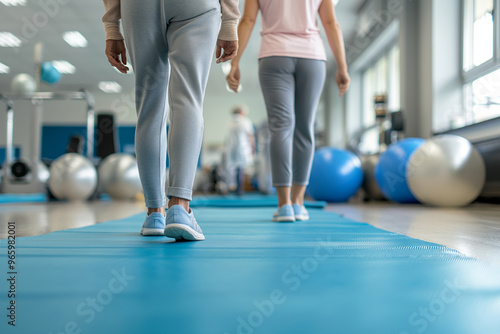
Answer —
42 218
473 231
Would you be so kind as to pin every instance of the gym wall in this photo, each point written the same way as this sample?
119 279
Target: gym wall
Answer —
61 119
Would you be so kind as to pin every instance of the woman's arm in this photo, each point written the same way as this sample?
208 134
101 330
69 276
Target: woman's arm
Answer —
115 47
246 26
244 31
111 20
227 43
336 41
230 17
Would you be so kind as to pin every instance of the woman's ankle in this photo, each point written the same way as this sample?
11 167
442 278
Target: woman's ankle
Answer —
178 201
284 202
159 210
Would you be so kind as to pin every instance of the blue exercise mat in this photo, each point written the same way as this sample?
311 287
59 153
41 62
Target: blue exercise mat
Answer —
328 275
22 198
244 201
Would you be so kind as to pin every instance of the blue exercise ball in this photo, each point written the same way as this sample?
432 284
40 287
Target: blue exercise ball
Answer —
390 171
50 74
336 175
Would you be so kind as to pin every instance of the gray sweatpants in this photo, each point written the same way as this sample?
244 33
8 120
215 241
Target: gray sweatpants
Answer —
172 43
291 88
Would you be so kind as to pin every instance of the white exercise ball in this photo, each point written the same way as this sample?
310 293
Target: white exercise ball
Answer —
119 176
72 177
23 84
446 171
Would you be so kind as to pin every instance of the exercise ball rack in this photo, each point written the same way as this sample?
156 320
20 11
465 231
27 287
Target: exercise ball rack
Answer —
8 185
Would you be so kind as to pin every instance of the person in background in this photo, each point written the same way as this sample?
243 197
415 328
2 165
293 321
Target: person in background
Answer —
292 71
170 44
240 146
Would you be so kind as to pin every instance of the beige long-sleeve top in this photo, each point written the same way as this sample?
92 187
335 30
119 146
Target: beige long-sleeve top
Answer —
228 29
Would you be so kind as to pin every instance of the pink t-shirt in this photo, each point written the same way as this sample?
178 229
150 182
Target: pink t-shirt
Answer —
289 29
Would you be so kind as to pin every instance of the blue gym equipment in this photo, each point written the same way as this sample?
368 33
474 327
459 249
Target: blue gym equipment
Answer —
336 175
390 171
49 73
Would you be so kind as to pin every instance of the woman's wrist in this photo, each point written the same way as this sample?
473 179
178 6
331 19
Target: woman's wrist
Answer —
342 68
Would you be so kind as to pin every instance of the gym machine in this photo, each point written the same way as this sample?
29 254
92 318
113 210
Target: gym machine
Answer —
31 176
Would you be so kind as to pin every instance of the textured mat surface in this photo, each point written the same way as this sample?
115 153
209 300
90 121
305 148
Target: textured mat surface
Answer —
245 201
22 198
329 275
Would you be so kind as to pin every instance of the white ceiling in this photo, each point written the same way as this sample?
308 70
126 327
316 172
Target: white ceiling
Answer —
92 67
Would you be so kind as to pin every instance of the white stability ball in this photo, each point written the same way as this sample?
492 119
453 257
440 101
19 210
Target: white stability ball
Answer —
72 177
119 176
446 171
23 84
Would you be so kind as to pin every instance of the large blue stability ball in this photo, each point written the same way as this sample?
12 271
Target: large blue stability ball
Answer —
390 171
336 175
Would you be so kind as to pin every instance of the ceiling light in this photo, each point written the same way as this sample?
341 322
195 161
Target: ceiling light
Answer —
4 68
110 87
9 40
64 67
335 2
13 2
75 39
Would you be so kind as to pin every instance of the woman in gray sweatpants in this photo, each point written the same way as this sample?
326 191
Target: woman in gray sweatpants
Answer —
292 69
170 43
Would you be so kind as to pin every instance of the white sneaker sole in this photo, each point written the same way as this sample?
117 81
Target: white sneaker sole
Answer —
151 232
283 219
302 217
182 232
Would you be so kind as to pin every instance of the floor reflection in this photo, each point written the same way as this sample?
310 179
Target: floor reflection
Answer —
473 231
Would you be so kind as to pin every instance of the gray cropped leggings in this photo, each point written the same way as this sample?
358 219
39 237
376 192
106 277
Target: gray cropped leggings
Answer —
291 88
172 43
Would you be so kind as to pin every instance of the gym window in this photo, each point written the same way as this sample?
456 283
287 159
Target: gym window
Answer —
478 33
381 78
481 62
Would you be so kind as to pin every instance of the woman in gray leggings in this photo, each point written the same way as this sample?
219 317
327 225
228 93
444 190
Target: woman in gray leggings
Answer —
292 68
170 43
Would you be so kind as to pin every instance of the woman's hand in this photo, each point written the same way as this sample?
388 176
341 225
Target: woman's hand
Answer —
343 80
115 49
226 50
233 78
